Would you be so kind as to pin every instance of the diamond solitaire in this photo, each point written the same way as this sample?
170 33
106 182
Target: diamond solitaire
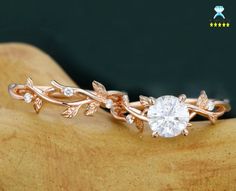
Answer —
168 117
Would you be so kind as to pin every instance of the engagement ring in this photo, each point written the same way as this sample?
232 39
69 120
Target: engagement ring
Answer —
167 116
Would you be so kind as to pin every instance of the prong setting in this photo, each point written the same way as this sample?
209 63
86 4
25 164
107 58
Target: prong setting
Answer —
154 134
185 132
182 98
189 125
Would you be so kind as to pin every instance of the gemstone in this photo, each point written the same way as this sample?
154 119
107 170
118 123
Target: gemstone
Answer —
109 103
219 9
168 117
68 92
129 119
210 105
28 97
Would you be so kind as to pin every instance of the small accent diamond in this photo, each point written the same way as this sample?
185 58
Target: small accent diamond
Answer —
68 92
109 103
129 119
28 97
210 105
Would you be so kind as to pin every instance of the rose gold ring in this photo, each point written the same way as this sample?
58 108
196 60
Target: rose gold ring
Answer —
167 116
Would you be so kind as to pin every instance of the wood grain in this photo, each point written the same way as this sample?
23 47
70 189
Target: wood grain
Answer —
48 152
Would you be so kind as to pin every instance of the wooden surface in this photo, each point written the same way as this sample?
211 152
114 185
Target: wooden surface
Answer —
49 152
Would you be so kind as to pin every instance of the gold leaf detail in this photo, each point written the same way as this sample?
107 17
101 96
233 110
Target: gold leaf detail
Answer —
139 124
37 104
70 112
213 118
29 82
146 101
118 110
92 108
202 100
99 88
125 99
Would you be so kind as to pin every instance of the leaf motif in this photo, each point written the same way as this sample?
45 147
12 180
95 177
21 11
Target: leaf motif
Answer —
37 104
202 100
29 82
118 110
71 111
99 88
125 99
146 101
139 124
92 108
213 117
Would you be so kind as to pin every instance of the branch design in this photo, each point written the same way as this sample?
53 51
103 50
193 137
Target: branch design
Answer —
116 102
58 94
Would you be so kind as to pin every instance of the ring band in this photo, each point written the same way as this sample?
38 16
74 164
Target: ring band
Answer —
167 116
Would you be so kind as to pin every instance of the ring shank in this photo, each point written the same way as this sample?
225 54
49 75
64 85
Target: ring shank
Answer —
14 92
193 101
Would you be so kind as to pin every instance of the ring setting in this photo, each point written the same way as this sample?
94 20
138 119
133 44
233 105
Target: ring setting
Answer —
168 117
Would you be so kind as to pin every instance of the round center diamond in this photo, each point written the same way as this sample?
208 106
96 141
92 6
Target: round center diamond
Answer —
68 92
168 117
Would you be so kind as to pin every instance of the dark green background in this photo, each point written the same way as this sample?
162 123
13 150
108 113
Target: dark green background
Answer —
142 47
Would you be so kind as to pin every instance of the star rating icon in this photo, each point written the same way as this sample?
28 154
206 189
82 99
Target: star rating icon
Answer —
219 24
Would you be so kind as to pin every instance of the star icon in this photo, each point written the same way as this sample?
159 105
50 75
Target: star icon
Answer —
211 24
223 24
227 24
215 24
219 24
